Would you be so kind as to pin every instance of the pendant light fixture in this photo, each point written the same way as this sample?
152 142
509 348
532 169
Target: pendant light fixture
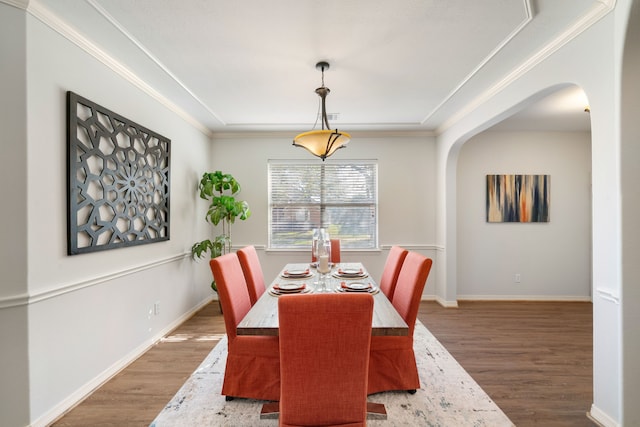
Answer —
325 142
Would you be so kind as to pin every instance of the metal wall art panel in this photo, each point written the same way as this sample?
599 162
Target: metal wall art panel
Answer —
518 198
118 180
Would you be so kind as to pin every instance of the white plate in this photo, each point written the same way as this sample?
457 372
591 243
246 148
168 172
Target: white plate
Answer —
296 272
276 293
290 286
357 286
372 290
350 276
350 271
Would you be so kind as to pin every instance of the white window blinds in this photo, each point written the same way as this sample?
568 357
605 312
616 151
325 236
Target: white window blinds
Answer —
339 196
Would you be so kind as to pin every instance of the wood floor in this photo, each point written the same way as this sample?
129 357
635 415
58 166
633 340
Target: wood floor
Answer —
533 358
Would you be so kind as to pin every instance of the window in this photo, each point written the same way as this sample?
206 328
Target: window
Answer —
339 196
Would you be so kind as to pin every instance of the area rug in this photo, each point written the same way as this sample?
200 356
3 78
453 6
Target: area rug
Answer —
448 396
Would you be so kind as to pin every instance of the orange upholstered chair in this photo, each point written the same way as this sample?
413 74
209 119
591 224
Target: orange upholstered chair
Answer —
324 358
252 272
253 362
391 270
392 364
335 251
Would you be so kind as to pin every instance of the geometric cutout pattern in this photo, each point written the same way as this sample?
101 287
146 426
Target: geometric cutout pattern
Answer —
118 176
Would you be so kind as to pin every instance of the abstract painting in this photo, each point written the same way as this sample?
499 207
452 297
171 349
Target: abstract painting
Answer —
118 180
518 198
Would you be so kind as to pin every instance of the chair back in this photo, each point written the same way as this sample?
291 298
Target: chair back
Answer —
324 358
411 280
232 290
391 270
252 270
335 251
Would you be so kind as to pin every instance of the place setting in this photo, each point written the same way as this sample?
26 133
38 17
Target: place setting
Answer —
350 273
358 287
297 273
289 288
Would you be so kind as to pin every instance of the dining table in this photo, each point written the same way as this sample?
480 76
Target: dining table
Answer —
297 278
262 318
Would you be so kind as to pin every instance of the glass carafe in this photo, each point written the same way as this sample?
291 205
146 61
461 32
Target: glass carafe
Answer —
315 236
323 252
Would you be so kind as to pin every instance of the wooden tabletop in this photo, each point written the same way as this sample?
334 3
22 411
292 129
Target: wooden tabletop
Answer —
262 319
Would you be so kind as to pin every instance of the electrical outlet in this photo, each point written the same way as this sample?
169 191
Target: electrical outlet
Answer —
156 308
517 278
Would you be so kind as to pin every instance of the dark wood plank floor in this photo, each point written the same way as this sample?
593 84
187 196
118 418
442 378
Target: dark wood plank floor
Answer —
533 358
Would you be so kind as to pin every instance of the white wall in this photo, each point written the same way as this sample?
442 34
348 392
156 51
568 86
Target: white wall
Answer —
75 304
73 321
590 60
553 259
14 351
406 176
630 155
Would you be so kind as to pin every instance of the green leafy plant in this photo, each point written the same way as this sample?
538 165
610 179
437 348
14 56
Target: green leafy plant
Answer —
221 190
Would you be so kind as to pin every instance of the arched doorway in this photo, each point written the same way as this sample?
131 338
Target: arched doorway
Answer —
630 177
552 137
551 261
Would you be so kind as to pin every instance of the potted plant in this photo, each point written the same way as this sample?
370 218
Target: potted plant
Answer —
220 189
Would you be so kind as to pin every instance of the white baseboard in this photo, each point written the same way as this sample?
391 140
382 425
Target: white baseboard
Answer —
442 302
600 418
82 393
548 298
567 298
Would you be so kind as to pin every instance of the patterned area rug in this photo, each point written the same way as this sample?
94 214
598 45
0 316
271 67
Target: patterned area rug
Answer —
448 396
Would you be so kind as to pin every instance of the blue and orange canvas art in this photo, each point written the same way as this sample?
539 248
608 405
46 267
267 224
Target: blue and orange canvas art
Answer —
518 198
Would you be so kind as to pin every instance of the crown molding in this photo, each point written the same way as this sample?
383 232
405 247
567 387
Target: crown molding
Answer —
597 12
20 4
528 11
113 21
40 12
355 134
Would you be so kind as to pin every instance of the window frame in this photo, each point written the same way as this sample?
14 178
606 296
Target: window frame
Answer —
314 163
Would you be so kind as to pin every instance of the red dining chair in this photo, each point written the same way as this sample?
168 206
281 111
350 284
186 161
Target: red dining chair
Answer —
252 270
335 251
391 270
392 363
253 362
324 359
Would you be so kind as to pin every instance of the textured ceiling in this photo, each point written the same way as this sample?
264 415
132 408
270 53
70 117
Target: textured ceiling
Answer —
250 65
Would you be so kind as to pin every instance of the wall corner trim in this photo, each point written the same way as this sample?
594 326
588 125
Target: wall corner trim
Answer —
601 418
609 295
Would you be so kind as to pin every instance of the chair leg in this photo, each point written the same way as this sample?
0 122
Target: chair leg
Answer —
270 411
412 391
230 398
